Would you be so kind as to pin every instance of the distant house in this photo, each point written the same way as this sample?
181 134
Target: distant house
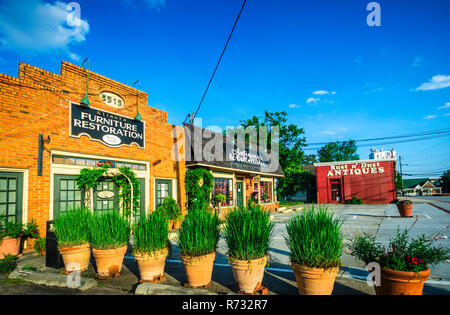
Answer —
421 187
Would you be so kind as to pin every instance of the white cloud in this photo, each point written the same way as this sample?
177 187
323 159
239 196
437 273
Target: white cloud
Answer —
376 90
321 92
333 93
328 132
156 2
37 27
437 82
447 114
312 101
152 4
294 106
417 61
447 105
430 117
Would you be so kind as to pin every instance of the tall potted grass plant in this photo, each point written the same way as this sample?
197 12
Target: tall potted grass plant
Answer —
72 232
198 238
110 233
150 246
248 232
315 242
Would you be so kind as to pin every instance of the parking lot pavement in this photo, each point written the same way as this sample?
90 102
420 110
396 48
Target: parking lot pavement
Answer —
381 221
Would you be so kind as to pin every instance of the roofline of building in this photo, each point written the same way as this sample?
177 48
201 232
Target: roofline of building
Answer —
354 161
234 169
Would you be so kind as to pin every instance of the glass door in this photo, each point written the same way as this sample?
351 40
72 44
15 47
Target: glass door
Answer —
240 194
106 196
335 190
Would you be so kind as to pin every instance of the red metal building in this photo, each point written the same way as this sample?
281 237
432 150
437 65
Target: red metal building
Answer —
371 180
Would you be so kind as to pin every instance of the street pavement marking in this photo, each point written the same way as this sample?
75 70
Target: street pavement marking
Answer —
287 211
428 217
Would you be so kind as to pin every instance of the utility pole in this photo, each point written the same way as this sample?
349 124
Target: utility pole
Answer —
401 171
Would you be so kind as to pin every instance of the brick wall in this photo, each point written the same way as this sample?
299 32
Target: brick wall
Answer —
37 102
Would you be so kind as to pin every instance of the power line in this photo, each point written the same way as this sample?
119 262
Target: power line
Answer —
393 142
424 133
218 63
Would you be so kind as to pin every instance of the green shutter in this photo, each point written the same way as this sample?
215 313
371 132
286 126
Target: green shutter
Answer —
11 195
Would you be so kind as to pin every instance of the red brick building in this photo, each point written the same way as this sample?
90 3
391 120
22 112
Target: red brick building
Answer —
47 137
373 181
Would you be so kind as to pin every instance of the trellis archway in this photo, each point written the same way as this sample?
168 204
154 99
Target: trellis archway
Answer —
123 177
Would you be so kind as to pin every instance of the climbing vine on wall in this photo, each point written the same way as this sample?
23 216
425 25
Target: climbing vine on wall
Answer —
199 183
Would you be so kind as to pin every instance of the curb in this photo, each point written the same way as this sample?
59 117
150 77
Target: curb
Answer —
164 289
53 279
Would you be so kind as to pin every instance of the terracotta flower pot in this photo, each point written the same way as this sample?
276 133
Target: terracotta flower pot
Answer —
199 269
395 282
9 246
177 224
314 281
109 261
152 264
248 274
405 210
170 225
76 258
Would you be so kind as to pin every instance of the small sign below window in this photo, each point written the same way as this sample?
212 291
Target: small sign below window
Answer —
109 163
112 99
105 194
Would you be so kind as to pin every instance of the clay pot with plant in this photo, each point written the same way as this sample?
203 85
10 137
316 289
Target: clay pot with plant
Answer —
248 231
405 208
109 233
315 242
40 246
198 238
12 235
151 246
404 264
171 210
71 229
219 199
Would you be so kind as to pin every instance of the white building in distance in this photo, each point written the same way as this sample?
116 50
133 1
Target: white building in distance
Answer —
382 155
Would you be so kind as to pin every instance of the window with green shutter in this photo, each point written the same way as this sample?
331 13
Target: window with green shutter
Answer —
67 195
11 196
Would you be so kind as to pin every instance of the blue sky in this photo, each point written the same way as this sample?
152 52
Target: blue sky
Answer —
318 60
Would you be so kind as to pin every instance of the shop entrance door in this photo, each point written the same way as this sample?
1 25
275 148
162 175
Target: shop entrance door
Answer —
336 190
240 194
106 196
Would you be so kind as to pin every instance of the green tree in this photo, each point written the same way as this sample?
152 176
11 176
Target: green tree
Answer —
398 181
445 179
338 151
291 154
291 141
296 178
